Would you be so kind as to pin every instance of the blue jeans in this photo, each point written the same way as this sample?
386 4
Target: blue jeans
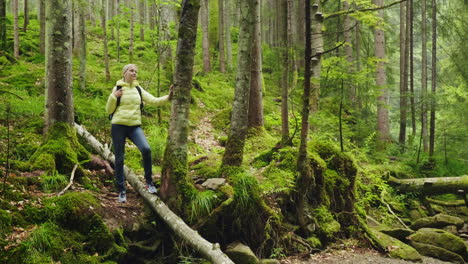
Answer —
136 135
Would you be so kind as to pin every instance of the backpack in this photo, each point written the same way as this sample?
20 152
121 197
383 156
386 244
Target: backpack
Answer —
118 101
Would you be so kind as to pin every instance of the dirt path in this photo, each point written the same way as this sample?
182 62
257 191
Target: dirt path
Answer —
353 256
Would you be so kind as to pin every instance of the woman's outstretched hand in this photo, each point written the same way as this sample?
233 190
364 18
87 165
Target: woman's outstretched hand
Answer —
118 93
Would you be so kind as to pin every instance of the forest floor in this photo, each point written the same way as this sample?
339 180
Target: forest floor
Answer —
352 255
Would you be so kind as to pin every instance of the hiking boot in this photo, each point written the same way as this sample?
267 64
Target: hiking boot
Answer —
151 188
122 197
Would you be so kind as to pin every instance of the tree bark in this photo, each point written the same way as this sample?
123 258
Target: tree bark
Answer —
285 73
227 26
26 16
403 76
383 127
411 68
132 31
317 49
59 95
211 251
424 77
221 31
142 19
305 179
255 112
175 184
432 186
348 49
432 129
118 30
104 32
3 38
82 48
42 20
233 153
204 19
15 30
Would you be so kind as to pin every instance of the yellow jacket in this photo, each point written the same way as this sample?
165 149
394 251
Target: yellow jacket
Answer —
128 113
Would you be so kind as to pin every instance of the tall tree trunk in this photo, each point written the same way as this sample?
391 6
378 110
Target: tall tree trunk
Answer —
305 178
285 73
204 18
59 95
233 154
348 49
227 34
317 49
26 16
104 32
142 19
300 32
132 30
424 77
221 31
175 183
383 129
403 76
432 129
411 69
42 21
15 29
255 112
118 30
82 48
3 38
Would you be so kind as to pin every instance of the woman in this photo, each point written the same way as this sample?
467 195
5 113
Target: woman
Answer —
124 107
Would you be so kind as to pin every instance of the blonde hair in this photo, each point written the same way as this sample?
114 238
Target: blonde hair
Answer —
125 68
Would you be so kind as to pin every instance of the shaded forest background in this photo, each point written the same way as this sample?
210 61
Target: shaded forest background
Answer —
388 99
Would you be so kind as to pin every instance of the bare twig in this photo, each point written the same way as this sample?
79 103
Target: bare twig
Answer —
71 181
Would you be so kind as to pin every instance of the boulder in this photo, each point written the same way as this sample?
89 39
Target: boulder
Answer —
241 254
437 252
439 238
214 183
398 233
394 247
438 221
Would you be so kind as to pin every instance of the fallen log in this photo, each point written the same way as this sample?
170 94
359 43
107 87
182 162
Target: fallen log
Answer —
432 186
211 251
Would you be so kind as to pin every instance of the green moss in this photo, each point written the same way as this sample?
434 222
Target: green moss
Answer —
314 242
60 151
395 248
5 222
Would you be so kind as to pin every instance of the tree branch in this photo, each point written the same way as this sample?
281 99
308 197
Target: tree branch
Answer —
352 11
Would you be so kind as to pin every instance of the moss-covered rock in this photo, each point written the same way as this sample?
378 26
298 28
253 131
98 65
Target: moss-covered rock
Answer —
394 247
438 221
437 252
241 254
79 211
439 238
398 233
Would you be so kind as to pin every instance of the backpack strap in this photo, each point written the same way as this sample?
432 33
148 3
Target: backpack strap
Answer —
118 100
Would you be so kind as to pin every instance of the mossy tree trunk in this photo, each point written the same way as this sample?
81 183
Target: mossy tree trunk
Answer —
175 183
204 18
15 29
285 73
305 179
42 20
104 32
61 149
59 96
222 59
238 131
82 48
432 186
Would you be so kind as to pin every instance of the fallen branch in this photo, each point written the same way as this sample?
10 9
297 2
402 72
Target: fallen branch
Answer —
209 250
71 181
431 186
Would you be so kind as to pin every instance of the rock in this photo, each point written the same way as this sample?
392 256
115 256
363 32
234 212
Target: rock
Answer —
438 221
437 252
214 183
439 238
241 254
398 233
394 247
451 229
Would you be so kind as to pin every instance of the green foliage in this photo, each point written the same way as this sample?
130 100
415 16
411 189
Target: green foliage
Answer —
202 203
5 222
53 182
